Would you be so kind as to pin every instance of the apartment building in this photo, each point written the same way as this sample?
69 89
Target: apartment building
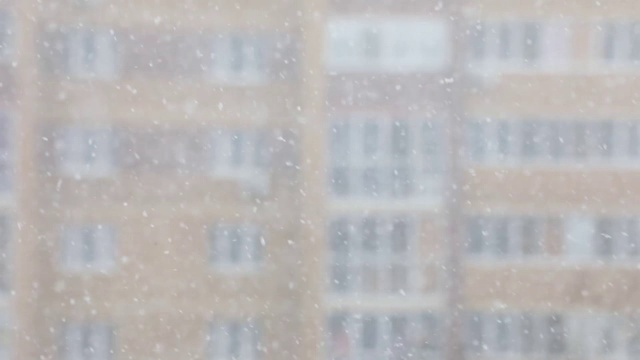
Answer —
149 200
387 111
551 145
250 180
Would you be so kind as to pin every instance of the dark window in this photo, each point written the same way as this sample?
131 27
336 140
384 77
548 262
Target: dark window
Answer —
89 245
530 139
477 40
609 42
557 141
605 238
475 236
631 233
371 181
556 335
604 139
475 338
340 180
632 133
531 43
635 42
528 334
369 333
399 236
369 235
398 346
503 333
400 140
477 141
370 143
501 236
580 141
531 237
505 42
504 138
402 181
237 55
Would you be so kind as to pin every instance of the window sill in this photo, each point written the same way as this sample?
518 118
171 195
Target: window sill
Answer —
88 175
411 202
237 270
496 69
88 271
80 76
376 301
534 165
241 81
552 261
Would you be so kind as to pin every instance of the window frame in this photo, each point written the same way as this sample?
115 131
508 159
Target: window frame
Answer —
104 65
248 233
382 261
72 256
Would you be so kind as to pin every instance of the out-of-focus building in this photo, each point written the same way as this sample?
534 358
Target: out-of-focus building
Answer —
271 180
147 156
552 247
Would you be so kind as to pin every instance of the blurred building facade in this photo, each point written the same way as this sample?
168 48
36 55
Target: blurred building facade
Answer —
254 180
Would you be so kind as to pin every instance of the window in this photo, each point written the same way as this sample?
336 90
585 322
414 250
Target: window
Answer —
236 246
6 153
5 254
92 53
608 333
375 158
619 43
515 333
633 341
88 248
605 238
5 337
371 44
88 341
239 154
397 335
555 334
339 338
239 59
372 255
6 37
577 232
529 337
365 45
505 237
476 235
505 333
504 46
86 152
477 143
475 333
235 339
547 142
87 3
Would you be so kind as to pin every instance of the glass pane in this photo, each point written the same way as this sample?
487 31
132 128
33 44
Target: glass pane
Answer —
475 235
369 333
555 335
477 41
532 237
399 236
531 42
501 233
